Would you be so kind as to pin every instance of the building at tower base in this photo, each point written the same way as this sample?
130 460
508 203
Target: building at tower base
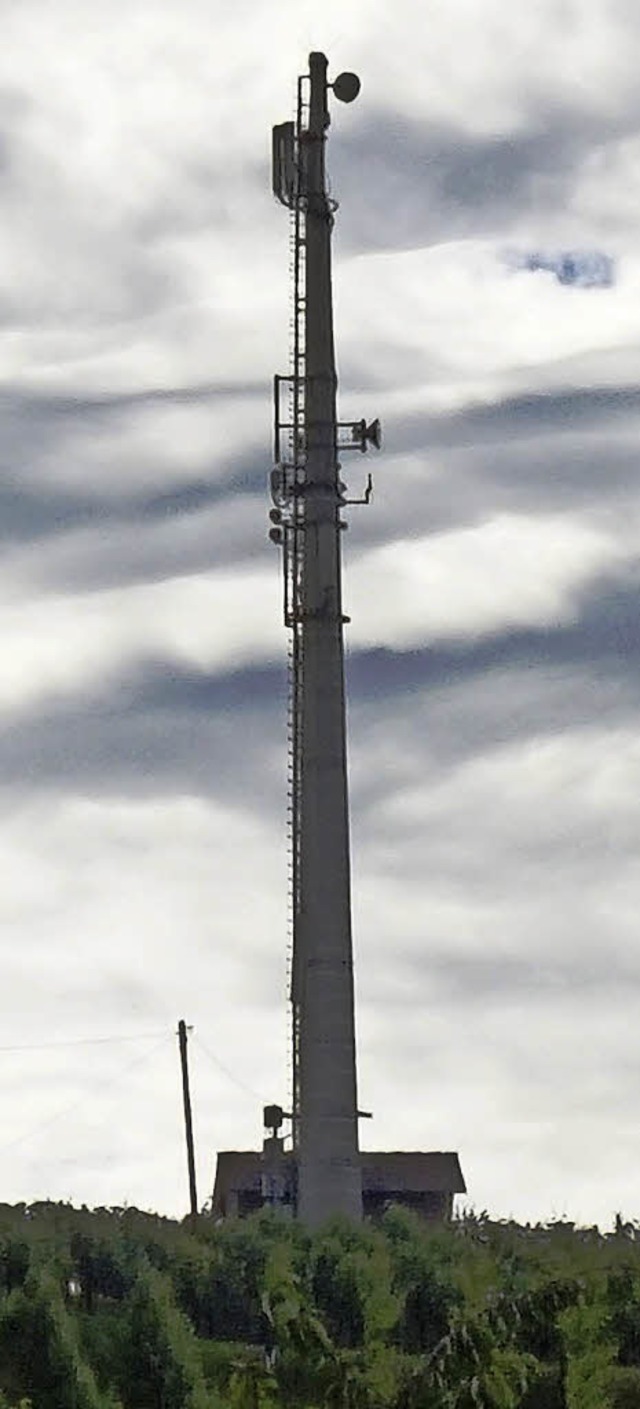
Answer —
250 1180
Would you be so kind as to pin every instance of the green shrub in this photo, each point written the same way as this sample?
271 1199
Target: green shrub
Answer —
624 1387
545 1389
159 1366
589 1353
39 1352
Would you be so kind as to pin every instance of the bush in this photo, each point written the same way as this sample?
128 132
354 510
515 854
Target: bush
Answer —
158 1363
624 1387
39 1352
545 1389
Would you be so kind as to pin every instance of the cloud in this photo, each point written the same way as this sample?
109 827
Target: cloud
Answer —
510 880
493 586
84 884
61 643
427 184
505 572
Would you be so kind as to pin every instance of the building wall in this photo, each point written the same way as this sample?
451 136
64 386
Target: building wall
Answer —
375 1202
436 1206
247 1181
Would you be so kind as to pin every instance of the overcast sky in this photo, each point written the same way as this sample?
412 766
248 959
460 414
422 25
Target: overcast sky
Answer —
493 586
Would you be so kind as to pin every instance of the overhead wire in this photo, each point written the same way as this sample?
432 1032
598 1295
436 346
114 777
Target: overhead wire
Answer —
78 1042
106 1083
237 1081
75 1105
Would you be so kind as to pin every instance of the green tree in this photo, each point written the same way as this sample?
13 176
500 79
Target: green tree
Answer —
338 1295
305 1359
39 1352
623 1299
103 1336
589 1351
219 1284
102 1268
14 1261
624 1387
471 1368
426 1294
159 1363
252 1385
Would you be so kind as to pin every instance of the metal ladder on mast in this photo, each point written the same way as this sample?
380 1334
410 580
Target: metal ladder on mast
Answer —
294 586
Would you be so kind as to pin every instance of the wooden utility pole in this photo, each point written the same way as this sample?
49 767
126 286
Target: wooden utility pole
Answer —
188 1123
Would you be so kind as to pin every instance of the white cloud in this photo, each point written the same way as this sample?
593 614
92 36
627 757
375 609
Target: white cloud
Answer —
507 572
141 250
510 571
499 995
436 322
122 917
56 644
117 453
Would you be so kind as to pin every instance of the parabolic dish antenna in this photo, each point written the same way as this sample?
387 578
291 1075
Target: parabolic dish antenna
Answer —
346 87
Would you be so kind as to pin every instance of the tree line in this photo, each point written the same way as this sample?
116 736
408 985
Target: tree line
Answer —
118 1309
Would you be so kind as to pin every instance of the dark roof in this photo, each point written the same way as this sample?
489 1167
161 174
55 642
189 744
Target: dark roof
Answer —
392 1171
418 1171
238 1169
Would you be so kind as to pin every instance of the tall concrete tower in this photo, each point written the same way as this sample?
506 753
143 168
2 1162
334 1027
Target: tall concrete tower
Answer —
309 498
324 1174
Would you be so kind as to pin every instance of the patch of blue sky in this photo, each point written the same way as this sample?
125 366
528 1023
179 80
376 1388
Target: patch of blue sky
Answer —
584 269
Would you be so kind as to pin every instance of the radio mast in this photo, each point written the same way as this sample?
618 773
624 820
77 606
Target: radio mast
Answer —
308 497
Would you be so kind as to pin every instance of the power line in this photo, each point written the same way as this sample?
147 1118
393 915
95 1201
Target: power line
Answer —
237 1081
75 1105
79 1042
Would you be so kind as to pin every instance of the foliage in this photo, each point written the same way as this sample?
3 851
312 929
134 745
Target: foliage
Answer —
545 1388
469 1368
14 1265
159 1367
422 1281
39 1350
623 1297
589 1351
118 1309
624 1387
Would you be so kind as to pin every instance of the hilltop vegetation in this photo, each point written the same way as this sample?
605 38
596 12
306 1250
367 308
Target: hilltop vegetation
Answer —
117 1309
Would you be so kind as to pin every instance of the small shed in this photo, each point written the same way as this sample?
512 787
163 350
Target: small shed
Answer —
426 1181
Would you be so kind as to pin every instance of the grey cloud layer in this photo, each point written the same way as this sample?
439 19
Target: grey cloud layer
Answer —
423 185
494 776
163 728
